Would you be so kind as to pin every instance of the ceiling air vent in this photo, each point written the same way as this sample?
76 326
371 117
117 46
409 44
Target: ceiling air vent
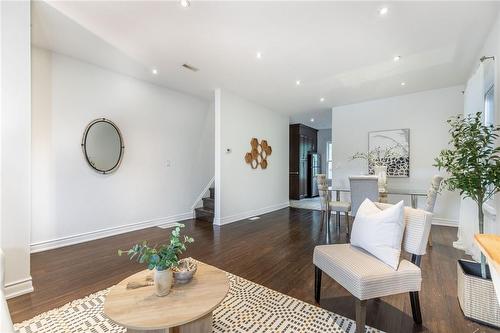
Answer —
191 68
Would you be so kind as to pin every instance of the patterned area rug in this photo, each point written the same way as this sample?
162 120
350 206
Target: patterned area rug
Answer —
248 307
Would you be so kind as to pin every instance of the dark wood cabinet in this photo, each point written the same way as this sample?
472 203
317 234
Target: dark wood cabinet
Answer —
303 140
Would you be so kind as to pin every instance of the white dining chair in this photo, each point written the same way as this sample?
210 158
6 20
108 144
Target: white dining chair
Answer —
333 205
362 187
432 197
322 182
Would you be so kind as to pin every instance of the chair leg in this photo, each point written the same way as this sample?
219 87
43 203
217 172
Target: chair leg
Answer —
347 222
360 315
338 222
430 240
322 221
317 284
415 307
328 238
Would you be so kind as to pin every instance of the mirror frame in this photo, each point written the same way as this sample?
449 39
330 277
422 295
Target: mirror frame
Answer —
84 145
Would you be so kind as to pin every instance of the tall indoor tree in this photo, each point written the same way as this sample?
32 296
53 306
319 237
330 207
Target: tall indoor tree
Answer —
473 163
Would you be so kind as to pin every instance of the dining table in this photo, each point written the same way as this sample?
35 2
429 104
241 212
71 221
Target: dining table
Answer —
414 194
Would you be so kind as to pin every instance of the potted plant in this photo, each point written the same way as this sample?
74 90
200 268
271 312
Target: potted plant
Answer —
161 258
473 164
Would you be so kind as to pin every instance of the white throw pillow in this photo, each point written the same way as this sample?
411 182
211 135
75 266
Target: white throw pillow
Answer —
379 231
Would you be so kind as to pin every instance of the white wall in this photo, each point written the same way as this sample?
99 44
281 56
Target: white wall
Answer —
241 191
324 135
73 203
15 145
425 114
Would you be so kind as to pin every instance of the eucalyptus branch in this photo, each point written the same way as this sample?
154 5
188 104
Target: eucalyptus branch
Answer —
379 156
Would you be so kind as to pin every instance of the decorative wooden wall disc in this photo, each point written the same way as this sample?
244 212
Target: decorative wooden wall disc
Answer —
254 143
263 164
258 154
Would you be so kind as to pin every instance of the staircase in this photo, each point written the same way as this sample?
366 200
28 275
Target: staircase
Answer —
206 213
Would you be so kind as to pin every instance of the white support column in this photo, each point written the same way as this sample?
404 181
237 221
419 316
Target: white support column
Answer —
15 147
218 150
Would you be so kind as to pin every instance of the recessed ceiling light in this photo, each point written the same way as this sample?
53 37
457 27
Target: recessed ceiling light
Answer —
154 71
185 3
397 58
312 120
403 83
322 99
259 55
297 82
383 11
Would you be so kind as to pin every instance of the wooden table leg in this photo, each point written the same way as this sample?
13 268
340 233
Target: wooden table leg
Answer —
202 325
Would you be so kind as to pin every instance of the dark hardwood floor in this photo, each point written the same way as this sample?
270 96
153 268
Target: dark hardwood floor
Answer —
275 251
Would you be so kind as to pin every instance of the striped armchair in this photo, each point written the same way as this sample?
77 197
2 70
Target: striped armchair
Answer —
366 277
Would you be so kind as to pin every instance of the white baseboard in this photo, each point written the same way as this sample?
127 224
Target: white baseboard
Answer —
251 213
164 222
18 288
444 222
172 221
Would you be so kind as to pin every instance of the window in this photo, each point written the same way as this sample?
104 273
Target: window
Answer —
329 159
489 114
489 106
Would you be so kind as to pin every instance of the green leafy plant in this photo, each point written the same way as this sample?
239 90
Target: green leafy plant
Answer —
161 257
378 156
473 163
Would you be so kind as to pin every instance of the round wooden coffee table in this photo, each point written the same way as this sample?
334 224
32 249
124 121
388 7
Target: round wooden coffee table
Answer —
187 309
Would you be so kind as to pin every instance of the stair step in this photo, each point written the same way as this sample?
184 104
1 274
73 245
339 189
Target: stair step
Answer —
212 193
204 214
208 203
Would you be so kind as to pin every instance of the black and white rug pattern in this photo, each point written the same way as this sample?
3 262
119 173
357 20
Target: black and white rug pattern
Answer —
248 307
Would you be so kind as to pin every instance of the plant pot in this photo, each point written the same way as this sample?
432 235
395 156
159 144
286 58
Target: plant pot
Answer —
476 295
163 282
381 172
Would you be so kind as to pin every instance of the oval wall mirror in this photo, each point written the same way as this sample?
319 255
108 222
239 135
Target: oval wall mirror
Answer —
102 145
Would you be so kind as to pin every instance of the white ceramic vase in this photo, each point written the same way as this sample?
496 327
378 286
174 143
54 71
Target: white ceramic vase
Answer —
163 282
381 173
